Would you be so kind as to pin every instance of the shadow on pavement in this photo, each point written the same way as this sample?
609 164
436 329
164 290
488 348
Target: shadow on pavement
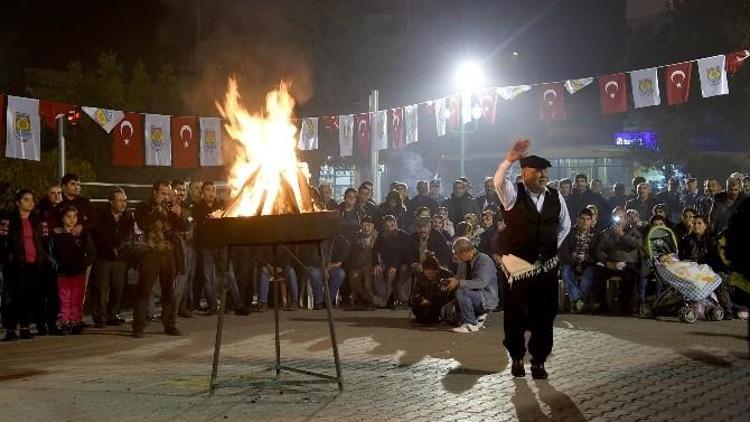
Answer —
528 407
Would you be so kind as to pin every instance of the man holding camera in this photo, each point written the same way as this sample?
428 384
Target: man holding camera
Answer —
160 221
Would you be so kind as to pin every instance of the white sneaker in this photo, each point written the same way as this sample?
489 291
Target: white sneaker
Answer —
467 328
481 319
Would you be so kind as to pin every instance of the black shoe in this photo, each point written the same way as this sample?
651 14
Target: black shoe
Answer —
319 306
517 369
185 314
25 334
77 329
291 307
242 312
56 331
119 318
42 331
538 371
263 307
10 335
137 334
99 324
172 331
114 322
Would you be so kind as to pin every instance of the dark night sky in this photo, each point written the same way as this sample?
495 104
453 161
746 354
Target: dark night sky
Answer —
424 40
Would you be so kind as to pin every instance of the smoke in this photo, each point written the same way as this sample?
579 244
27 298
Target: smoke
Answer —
409 167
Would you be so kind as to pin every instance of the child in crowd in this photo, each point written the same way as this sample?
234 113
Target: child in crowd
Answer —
73 251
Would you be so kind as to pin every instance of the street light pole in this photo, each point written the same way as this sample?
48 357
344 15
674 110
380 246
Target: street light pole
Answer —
462 156
373 148
61 143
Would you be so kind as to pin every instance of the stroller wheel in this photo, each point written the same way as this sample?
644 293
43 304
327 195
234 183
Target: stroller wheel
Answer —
716 314
688 314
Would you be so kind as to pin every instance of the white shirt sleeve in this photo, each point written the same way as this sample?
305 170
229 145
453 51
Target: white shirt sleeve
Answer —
506 189
564 227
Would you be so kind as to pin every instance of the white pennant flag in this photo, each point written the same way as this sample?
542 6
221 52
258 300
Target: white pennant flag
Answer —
410 123
466 106
441 119
22 129
210 153
106 118
575 85
379 130
511 92
645 86
346 135
308 134
158 140
713 76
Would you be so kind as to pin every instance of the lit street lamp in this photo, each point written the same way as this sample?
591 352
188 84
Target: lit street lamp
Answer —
469 76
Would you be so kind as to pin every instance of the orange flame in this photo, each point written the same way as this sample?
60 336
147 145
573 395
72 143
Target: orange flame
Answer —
266 177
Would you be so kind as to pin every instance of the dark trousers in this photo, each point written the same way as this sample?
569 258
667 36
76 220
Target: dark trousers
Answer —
530 304
49 302
156 265
21 295
630 275
108 287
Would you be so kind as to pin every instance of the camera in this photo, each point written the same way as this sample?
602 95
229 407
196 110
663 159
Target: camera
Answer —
443 284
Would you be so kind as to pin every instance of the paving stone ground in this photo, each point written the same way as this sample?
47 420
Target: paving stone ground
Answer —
602 369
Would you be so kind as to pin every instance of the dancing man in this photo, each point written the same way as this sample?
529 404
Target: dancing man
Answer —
537 222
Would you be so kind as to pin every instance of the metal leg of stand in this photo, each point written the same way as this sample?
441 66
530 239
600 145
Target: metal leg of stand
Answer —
276 288
327 296
219 330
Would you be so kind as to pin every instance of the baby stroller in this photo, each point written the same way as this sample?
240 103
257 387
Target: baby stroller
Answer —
690 300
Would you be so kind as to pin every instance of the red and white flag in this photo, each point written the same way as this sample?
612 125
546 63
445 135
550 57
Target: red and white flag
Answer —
396 127
185 140
736 60
362 146
613 93
488 103
677 81
552 102
411 123
49 110
452 111
127 141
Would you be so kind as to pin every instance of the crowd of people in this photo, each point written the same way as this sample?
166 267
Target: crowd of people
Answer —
438 256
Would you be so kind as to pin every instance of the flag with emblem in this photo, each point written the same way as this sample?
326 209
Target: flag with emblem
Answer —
575 85
487 99
210 144
440 117
49 110
452 110
396 127
379 130
713 76
362 147
467 107
158 140
127 141
552 102
511 92
308 134
612 93
22 129
328 135
106 118
735 61
677 81
411 123
645 86
185 142
346 135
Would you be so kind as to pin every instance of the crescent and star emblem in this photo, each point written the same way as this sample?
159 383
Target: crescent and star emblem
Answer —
612 83
678 84
186 139
552 93
126 138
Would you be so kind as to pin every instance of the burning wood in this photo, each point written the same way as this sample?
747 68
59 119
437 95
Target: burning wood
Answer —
266 177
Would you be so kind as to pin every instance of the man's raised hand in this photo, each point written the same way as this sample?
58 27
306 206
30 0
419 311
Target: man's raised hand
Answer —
518 150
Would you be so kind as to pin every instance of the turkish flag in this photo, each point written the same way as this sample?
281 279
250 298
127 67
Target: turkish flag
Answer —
396 128
185 140
362 128
735 61
552 102
613 93
453 108
677 81
49 110
328 135
488 102
127 141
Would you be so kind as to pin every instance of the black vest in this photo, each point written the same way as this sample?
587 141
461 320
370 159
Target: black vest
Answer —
529 234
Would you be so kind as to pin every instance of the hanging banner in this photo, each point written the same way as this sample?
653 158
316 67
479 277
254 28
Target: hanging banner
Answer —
211 141
22 129
713 76
106 118
346 135
645 86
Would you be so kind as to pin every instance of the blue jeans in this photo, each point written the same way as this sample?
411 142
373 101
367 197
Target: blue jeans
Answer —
575 290
336 277
216 268
469 304
265 284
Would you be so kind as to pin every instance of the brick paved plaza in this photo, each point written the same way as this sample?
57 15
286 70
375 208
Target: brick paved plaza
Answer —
603 368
